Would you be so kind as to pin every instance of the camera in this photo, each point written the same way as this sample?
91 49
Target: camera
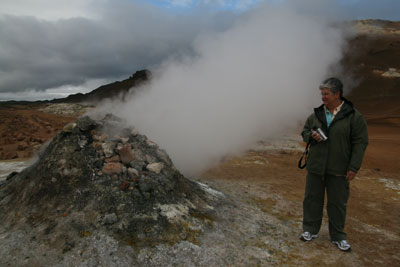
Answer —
321 133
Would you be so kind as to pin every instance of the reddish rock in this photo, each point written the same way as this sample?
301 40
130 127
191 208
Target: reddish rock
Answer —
97 145
112 168
126 154
100 138
124 185
112 159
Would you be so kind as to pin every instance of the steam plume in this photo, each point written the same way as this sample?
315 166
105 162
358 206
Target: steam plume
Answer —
246 83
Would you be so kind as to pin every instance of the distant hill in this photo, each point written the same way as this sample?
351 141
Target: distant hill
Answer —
372 59
108 91
115 89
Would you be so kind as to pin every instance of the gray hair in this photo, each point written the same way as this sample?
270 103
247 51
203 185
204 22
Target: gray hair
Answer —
334 85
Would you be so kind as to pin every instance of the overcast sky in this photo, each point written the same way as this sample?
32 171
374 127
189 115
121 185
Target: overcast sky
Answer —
51 48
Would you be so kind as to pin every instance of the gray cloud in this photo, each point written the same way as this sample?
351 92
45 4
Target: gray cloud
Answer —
116 38
41 54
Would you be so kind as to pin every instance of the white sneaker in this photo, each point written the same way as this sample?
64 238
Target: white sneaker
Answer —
342 245
307 236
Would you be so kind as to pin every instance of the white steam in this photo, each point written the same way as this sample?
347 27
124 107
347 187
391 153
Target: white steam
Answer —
245 84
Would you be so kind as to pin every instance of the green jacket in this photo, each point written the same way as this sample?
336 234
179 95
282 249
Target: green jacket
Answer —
346 144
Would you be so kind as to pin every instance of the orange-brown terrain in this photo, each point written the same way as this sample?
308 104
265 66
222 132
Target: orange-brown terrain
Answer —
270 180
24 129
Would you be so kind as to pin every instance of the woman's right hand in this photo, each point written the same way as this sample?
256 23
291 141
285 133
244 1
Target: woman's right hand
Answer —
316 136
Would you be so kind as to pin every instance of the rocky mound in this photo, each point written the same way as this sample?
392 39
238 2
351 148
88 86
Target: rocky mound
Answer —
97 195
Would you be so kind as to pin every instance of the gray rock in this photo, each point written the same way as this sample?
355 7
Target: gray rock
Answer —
82 143
86 123
11 175
138 165
108 148
149 159
133 172
110 219
146 184
161 153
139 154
151 143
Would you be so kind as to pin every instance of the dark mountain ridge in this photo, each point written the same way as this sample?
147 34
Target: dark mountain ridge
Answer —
108 91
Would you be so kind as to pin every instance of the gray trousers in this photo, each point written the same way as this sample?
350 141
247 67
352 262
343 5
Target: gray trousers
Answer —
337 188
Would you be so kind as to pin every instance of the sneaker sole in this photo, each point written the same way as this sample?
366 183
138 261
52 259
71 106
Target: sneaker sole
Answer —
341 249
306 240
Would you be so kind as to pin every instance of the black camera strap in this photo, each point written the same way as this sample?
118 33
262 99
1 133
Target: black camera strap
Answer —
304 156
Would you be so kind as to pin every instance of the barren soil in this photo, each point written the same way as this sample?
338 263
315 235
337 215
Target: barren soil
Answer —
266 189
271 181
24 128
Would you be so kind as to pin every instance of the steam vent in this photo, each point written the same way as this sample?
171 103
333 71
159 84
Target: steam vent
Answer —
96 196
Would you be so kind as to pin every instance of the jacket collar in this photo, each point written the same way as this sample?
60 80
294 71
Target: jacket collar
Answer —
346 110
